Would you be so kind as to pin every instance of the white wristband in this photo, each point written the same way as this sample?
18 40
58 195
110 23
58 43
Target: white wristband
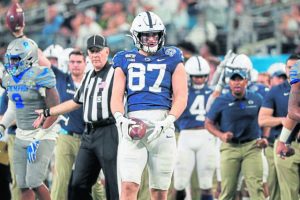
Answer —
171 118
117 115
284 135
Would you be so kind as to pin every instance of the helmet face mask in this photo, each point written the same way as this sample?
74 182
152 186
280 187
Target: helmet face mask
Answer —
148 32
21 54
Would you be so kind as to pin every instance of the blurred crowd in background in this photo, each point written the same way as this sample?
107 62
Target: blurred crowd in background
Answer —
254 27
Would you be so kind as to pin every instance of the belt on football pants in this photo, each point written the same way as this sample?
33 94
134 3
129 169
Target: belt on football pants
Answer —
75 135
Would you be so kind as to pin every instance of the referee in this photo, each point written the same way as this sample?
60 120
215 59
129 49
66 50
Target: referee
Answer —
99 143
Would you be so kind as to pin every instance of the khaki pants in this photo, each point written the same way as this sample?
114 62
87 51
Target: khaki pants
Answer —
246 158
288 174
272 177
15 191
65 154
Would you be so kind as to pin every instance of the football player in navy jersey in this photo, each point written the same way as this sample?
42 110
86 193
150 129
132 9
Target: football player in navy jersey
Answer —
196 146
154 80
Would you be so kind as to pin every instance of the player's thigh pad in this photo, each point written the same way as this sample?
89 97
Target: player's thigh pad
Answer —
132 158
37 171
185 162
20 161
161 161
205 158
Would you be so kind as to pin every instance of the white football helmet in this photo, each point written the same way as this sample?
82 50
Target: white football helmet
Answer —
53 51
238 61
146 23
278 68
196 65
21 54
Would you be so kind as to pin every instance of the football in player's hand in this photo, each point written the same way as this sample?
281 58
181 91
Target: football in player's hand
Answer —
15 19
137 131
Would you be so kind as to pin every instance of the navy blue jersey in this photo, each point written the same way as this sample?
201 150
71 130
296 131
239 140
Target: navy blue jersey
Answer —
148 78
277 99
258 88
72 121
194 114
240 116
3 108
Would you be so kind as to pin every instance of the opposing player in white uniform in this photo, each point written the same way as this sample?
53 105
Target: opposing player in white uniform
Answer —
154 78
29 87
196 146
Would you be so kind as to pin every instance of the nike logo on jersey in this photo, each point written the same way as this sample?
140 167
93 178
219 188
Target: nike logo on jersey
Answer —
286 94
169 136
207 92
231 104
159 60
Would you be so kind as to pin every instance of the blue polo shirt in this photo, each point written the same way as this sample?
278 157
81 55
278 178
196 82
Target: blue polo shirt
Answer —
239 116
277 99
3 107
72 121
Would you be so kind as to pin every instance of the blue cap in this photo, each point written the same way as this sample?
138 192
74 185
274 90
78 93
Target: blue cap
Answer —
239 72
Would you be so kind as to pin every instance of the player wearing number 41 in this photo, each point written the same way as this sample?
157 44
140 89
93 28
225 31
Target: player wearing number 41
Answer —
196 146
29 87
154 80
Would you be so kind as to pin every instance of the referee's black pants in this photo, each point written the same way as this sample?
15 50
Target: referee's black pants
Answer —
98 151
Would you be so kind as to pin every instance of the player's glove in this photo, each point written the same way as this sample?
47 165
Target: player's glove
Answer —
32 150
161 126
123 124
2 129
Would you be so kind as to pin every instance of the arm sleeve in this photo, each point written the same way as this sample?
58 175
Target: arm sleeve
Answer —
9 116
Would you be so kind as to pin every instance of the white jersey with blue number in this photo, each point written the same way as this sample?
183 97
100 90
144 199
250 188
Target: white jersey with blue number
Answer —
194 114
148 78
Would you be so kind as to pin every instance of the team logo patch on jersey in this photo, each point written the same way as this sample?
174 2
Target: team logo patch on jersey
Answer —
250 102
170 52
130 57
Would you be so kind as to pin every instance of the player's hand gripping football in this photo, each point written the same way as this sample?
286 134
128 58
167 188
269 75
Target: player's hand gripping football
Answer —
283 150
160 126
123 124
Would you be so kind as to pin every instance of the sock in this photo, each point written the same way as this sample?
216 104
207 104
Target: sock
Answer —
180 194
206 197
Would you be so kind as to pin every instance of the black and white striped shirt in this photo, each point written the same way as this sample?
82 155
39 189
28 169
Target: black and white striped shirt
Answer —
95 94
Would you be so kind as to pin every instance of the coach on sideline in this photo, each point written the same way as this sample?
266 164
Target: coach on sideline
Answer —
233 118
99 143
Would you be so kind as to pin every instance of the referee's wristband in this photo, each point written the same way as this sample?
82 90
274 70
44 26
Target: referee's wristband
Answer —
284 135
46 112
